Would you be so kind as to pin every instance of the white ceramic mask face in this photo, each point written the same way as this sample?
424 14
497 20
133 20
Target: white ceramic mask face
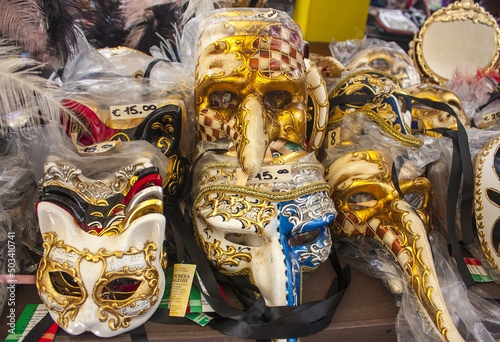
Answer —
107 285
487 201
268 231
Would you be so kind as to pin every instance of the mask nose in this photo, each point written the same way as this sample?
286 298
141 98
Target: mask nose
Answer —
87 318
254 140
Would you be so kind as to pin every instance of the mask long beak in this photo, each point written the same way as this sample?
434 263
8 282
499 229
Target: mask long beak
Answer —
254 139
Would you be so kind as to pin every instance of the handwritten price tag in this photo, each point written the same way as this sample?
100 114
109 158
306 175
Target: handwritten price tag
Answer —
491 117
333 137
271 174
100 147
127 112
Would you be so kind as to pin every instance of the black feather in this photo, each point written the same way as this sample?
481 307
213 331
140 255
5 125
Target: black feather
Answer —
60 21
159 20
103 24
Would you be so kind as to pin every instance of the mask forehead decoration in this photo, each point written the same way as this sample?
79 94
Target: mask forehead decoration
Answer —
107 285
251 83
386 109
270 231
425 119
487 201
369 205
388 60
104 206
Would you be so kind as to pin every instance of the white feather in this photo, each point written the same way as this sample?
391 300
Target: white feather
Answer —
196 7
24 94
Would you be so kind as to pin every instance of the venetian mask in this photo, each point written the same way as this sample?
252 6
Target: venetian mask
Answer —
269 227
388 60
104 284
162 126
104 206
368 204
487 201
251 84
425 119
389 111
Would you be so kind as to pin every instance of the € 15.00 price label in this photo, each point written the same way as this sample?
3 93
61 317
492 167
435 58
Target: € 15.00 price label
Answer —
140 110
271 174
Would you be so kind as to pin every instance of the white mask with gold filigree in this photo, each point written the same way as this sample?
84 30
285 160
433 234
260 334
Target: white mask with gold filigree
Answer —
107 285
269 229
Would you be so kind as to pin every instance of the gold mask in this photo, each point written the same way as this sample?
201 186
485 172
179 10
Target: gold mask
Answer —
368 204
386 109
425 119
388 60
251 84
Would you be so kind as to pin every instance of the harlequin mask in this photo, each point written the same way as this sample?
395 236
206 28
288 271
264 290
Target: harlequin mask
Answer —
425 119
369 204
107 285
251 84
390 112
487 201
271 229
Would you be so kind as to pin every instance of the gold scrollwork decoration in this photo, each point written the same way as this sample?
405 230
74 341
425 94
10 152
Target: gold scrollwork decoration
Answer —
478 202
66 305
221 257
256 213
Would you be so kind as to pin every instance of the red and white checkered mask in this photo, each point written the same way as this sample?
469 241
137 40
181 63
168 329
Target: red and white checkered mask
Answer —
251 88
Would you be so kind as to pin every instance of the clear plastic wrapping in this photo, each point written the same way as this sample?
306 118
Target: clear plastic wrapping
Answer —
210 26
110 81
218 169
475 314
55 145
372 53
474 87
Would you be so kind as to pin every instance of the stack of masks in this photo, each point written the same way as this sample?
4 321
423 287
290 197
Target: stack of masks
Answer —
103 228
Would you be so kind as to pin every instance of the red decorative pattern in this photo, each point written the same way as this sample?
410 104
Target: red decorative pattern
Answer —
211 127
275 57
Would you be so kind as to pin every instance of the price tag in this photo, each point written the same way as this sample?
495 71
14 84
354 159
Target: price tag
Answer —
182 280
333 137
132 111
271 174
491 117
101 147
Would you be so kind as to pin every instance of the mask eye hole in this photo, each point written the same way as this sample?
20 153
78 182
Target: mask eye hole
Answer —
361 200
304 238
223 99
277 99
415 199
64 284
120 289
249 240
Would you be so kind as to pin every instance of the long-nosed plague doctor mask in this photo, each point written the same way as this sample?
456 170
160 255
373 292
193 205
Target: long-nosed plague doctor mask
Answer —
252 84
369 204
271 227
